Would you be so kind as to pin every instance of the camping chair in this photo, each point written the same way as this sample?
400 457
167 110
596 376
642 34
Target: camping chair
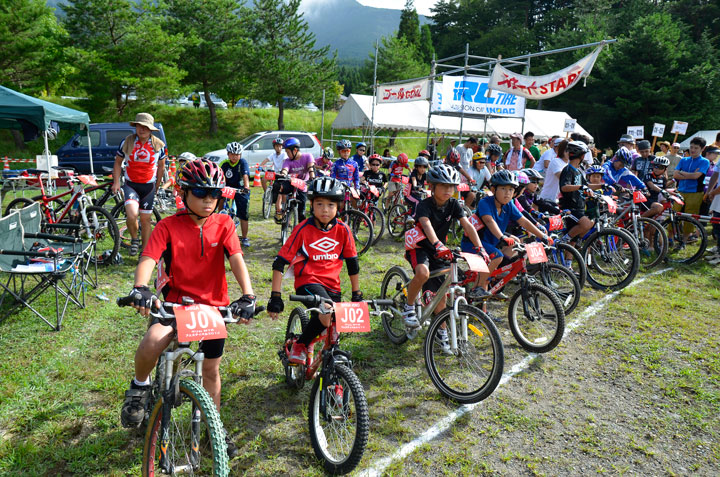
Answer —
25 282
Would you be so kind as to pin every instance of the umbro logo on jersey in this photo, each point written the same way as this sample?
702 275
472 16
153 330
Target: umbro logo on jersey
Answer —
325 245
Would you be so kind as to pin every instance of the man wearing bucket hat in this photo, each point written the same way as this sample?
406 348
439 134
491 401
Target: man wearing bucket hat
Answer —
145 156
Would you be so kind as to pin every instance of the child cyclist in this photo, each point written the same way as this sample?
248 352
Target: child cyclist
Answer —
274 161
656 182
574 187
434 216
346 170
418 177
191 246
496 212
237 175
373 175
396 174
316 250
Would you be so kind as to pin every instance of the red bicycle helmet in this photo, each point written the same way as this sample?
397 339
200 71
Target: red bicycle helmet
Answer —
403 159
201 173
453 158
424 153
375 157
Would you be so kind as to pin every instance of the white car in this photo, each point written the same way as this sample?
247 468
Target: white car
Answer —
186 100
258 146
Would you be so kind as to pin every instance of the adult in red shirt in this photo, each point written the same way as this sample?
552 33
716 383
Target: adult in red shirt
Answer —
145 155
189 249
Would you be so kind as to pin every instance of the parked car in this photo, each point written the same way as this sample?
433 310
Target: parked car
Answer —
252 103
311 107
186 100
258 146
106 138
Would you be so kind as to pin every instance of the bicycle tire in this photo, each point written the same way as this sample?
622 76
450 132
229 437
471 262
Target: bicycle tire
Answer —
361 227
611 253
550 335
680 251
576 264
652 240
378 220
562 281
181 451
267 202
17 204
394 287
397 221
298 320
348 454
105 232
118 213
288 224
474 372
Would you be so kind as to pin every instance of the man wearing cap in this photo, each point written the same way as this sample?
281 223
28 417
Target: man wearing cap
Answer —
516 158
145 155
674 156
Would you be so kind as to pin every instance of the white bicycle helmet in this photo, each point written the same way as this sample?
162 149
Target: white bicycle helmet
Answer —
443 174
234 148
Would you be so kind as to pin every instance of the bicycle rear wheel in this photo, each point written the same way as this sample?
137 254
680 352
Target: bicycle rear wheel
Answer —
378 220
561 281
339 421
361 227
569 257
681 250
104 231
118 213
195 440
394 287
397 221
537 319
474 370
652 240
612 257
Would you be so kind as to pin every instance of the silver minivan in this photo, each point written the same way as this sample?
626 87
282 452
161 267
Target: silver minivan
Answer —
258 146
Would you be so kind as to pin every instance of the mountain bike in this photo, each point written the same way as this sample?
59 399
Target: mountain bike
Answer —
229 208
369 196
651 237
89 221
535 313
360 224
267 194
120 216
560 252
184 432
338 413
291 206
472 368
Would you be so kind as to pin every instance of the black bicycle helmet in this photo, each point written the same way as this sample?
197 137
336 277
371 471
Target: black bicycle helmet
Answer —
421 161
503 177
533 175
328 188
493 150
576 149
443 174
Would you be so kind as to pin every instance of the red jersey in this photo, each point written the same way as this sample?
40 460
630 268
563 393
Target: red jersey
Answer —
317 255
194 257
142 163
396 171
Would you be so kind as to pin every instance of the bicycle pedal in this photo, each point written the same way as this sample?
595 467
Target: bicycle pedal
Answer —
411 334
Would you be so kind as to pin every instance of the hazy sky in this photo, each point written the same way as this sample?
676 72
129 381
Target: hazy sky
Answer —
422 6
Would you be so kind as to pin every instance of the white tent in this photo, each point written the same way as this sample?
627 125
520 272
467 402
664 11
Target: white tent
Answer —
708 135
356 113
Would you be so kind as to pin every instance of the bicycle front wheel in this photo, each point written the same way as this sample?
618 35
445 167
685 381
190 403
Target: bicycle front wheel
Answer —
612 257
378 220
687 240
104 231
195 442
120 216
394 287
397 220
339 421
652 240
267 202
569 257
361 227
289 222
471 372
537 319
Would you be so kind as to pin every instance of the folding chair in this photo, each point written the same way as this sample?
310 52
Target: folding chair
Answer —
25 282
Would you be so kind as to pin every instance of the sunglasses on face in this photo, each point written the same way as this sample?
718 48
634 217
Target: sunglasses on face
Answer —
362 149
374 163
660 167
201 192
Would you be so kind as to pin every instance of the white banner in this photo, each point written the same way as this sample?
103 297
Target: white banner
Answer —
402 93
543 87
470 93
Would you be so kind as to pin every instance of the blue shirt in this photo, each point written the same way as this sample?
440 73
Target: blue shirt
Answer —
234 173
346 171
360 161
486 206
688 164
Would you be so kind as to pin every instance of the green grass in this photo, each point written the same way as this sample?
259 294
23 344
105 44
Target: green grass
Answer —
635 390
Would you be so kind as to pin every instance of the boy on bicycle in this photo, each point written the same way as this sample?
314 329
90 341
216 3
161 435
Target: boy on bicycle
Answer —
237 175
346 170
434 216
374 176
396 174
496 211
190 248
274 160
315 251
574 187
296 165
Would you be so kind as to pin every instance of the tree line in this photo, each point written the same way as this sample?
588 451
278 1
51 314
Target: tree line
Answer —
113 51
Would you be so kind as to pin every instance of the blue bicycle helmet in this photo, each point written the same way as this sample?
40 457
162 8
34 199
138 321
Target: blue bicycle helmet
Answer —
624 155
291 142
343 144
594 170
493 150
360 144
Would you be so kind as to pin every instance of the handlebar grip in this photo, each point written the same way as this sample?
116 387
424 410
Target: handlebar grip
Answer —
305 299
124 301
385 302
259 310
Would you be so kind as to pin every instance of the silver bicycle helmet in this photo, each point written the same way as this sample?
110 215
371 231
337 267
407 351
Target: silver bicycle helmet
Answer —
443 174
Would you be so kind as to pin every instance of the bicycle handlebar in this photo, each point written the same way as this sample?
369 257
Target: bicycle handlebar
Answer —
163 314
316 300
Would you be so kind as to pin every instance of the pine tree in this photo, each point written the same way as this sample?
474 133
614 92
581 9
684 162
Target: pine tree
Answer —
426 49
409 28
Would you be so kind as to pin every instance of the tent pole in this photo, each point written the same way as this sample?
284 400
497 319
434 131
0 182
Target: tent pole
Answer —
322 121
372 125
462 102
432 82
92 166
46 153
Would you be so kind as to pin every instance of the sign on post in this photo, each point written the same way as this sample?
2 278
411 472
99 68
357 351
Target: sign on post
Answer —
658 130
679 127
570 125
637 132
